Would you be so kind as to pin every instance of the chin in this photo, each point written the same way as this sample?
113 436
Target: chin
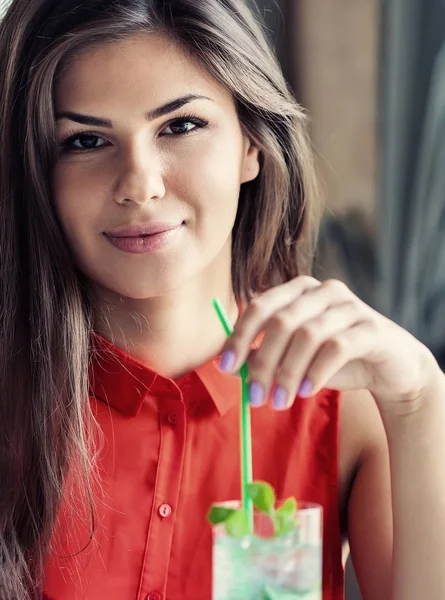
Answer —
142 282
142 286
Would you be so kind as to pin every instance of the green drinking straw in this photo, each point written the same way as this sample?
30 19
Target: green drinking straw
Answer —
246 440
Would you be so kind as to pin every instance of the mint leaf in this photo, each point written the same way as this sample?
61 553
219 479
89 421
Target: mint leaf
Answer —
284 524
235 521
236 524
285 517
274 594
262 495
288 506
265 595
219 514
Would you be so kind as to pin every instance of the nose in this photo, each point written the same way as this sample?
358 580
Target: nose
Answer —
140 178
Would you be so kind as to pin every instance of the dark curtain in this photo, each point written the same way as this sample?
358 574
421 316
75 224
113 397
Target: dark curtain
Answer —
412 168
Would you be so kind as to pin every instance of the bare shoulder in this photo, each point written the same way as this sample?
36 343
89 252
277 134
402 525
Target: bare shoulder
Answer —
365 491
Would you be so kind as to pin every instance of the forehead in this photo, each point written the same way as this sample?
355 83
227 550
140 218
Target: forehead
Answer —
146 66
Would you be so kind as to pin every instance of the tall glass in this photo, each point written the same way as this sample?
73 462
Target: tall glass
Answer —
261 567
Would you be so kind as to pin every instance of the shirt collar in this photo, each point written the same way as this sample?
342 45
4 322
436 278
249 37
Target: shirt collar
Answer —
123 382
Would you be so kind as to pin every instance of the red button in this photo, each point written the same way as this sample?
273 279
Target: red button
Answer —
172 417
165 510
154 596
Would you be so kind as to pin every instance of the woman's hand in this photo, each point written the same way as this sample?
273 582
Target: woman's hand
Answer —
321 335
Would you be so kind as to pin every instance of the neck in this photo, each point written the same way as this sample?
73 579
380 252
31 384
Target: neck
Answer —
172 334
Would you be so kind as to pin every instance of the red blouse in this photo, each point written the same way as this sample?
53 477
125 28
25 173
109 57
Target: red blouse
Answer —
170 450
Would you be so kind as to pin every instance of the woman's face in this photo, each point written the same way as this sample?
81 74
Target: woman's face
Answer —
147 138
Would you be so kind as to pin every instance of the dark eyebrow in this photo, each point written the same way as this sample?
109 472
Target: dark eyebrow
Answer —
150 116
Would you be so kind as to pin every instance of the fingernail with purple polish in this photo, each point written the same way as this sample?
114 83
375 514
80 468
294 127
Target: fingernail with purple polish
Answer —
228 360
305 388
256 394
279 397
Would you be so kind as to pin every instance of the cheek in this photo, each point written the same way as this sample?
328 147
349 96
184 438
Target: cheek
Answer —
207 177
78 195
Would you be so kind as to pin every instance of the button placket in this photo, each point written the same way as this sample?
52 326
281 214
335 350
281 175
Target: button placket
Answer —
172 415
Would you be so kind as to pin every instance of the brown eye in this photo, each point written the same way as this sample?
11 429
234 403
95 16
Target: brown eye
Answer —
82 142
183 126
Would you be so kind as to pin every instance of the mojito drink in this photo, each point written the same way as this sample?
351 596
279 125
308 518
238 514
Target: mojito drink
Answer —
288 567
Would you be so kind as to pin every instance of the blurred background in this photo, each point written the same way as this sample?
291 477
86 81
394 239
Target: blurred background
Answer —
371 74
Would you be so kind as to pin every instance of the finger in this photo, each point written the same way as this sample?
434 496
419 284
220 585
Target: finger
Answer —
279 330
349 346
259 310
306 343
263 307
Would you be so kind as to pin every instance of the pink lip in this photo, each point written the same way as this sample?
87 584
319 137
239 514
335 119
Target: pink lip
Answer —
144 243
143 229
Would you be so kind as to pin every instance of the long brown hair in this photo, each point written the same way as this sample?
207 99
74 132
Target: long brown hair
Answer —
46 310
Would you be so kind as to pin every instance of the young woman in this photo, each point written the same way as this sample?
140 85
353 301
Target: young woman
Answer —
152 158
